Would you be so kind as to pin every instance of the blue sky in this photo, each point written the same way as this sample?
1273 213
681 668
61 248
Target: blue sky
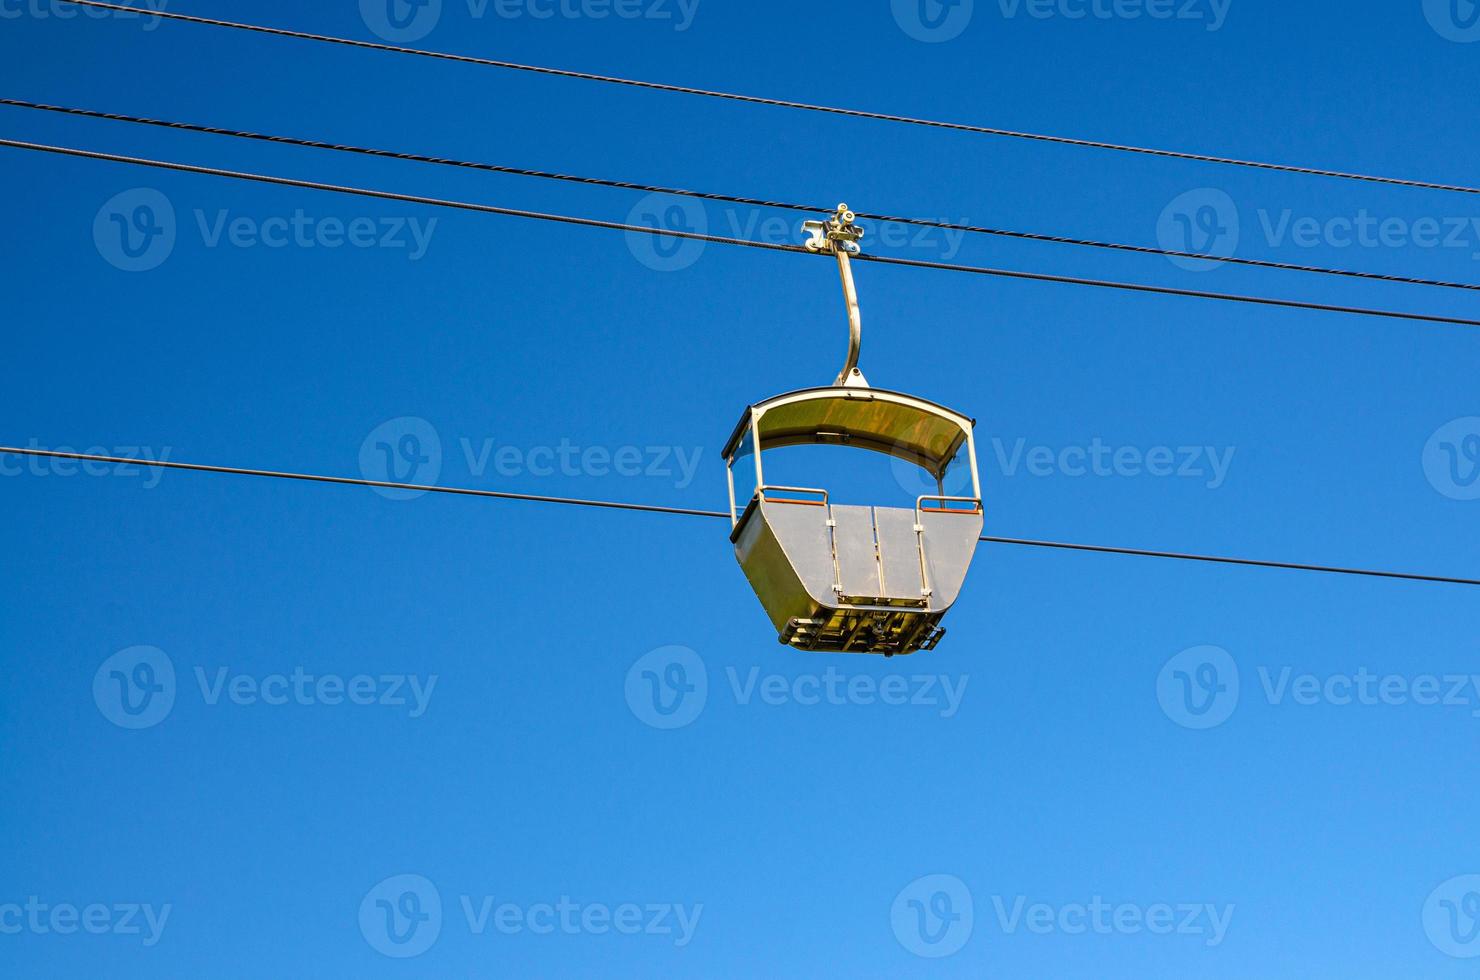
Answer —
382 727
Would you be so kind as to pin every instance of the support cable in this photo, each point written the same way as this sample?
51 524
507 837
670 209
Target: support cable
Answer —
697 236
782 103
726 198
689 512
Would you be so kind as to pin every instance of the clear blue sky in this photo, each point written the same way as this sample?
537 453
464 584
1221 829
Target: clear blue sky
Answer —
1326 838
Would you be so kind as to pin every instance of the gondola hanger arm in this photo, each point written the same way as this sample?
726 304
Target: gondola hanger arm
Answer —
839 236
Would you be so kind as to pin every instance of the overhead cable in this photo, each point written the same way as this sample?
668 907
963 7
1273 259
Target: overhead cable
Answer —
726 198
683 511
782 103
724 240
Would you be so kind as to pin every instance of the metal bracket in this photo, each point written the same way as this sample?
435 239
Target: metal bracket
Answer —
839 236
838 233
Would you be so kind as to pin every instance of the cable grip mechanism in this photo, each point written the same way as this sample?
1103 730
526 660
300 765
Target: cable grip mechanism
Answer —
839 236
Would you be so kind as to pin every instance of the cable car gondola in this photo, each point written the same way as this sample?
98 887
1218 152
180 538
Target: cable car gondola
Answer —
848 578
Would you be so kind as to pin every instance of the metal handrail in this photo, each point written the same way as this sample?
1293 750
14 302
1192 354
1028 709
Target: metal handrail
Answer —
761 492
919 502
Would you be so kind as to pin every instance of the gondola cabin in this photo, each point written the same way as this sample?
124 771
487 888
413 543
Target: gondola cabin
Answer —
845 577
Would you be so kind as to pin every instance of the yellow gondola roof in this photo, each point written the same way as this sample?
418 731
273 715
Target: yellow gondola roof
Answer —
900 425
